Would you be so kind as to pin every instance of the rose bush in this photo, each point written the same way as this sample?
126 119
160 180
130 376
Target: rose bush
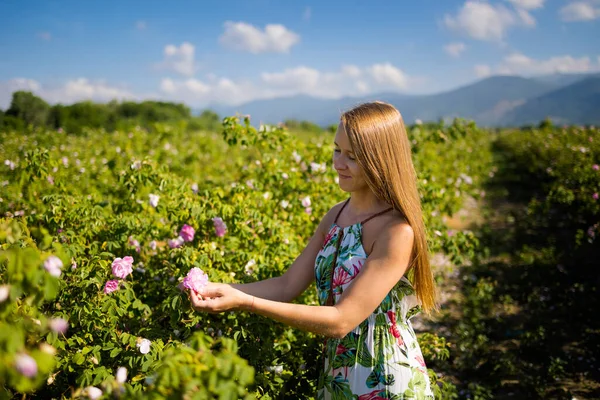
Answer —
239 209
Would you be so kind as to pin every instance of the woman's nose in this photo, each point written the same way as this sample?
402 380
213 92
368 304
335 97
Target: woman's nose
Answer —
338 163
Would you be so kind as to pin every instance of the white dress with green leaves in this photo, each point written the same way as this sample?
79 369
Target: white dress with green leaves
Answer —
380 358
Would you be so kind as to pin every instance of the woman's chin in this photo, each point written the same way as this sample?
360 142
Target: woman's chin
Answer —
345 186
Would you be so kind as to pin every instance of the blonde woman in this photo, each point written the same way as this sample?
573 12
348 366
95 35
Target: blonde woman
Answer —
361 256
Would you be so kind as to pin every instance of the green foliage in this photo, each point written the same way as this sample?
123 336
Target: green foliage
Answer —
90 194
527 311
303 126
29 110
27 286
32 110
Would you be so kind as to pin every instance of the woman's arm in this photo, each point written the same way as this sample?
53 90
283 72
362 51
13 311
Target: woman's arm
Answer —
271 289
297 277
384 267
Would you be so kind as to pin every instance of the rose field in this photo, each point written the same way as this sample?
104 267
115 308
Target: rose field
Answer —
99 231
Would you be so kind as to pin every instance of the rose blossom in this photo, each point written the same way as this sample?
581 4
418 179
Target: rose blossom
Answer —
174 243
144 345
187 233
133 242
121 267
153 200
111 286
196 279
4 292
595 167
26 365
58 325
53 265
306 202
220 226
121 374
93 392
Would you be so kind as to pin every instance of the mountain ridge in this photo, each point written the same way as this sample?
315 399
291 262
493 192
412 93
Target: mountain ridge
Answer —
501 100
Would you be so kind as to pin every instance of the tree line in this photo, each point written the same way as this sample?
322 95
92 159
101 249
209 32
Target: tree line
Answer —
28 110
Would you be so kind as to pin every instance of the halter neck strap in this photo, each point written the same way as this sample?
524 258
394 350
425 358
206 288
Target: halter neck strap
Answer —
366 219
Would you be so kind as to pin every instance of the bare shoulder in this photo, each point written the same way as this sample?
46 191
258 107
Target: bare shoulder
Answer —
396 228
329 217
388 230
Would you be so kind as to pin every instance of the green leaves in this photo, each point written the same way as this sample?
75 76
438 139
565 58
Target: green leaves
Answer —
90 195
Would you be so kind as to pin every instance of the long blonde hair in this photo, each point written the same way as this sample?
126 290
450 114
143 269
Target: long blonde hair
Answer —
379 141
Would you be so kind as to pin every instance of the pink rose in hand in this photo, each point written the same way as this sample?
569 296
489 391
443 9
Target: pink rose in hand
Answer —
187 233
195 280
121 267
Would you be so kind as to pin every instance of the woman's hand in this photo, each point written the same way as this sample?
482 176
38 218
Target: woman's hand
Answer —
219 297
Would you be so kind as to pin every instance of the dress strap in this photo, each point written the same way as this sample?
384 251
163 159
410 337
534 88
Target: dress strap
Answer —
376 215
339 212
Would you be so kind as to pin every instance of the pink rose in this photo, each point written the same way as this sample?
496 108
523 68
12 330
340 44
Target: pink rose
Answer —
595 167
53 265
111 286
220 227
133 242
175 243
121 267
58 325
187 233
595 196
26 365
196 279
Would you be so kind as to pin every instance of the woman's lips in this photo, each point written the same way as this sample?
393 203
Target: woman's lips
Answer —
343 176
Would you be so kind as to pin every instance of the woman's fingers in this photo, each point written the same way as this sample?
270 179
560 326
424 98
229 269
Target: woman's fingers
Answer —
204 303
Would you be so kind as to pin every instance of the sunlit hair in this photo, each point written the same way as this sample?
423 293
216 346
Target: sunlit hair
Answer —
379 141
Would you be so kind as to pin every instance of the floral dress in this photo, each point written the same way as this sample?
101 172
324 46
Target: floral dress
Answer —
380 358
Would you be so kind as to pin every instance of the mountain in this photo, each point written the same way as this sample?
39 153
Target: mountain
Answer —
578 103
494 101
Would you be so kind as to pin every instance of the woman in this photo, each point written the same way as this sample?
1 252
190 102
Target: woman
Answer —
360 256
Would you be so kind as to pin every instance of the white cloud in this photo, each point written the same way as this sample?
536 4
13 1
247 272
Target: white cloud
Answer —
454 49
140 25
481 21
528 4
484 21
180 59
520 64
525 17
580 11
387 74
349 80
482 71
245 37
83 89
14 85
351 70
71 91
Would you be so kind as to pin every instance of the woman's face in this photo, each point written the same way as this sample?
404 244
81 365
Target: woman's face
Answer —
344 161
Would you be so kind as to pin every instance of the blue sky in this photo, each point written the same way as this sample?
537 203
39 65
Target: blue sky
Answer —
205 52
